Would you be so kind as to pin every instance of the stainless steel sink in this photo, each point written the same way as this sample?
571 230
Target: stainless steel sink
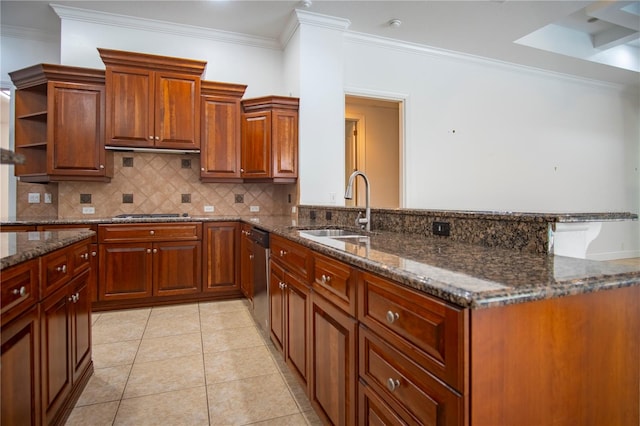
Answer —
331 233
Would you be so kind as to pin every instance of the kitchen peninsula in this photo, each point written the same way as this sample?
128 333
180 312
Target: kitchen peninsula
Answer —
430 329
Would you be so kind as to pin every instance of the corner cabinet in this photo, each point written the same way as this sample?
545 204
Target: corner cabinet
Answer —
270 139
59 124
152 101
220 131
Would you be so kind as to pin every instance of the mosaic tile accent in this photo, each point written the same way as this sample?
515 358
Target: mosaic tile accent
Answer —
127 161
85 198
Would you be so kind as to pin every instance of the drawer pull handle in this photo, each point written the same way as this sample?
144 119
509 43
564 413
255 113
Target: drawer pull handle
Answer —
74 298
392 317
326 278
282 285
62 269
152 232
250 257
22 291
282 253
393 384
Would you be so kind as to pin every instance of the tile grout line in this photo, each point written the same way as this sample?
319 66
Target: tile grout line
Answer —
204 367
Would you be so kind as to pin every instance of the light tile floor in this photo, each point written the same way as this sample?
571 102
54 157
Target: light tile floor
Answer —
193 364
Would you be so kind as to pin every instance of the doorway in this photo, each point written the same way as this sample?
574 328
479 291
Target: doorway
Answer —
373 146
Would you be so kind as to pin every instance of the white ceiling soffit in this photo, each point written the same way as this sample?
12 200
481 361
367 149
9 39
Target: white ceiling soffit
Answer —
606 32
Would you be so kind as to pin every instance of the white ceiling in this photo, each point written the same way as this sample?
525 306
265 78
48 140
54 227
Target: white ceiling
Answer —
551 35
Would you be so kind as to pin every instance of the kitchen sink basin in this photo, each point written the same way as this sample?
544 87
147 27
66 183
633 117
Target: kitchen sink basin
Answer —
332 233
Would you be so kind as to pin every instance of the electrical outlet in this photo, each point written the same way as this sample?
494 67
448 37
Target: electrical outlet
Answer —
34 197
47 198
209 209
293 209
88 210
441 228
254 209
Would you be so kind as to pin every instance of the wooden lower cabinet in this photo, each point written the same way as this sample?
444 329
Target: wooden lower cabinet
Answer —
333 377
20 402
374 411
176 268
221 249
65 344
126 271
296 297
276 306
246 262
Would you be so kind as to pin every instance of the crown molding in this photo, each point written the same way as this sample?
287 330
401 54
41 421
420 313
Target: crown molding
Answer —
302 17
152 25
415 48
29 33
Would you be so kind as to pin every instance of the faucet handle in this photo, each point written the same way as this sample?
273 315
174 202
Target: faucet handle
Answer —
361 221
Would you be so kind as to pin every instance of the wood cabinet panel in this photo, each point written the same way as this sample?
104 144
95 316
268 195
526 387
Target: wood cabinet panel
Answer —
256 145
220 139
373 410
336 281
417 395
297 308
246 261
80 325
183 231
176 268
429 329
276 306
126 271
56 353
333 363
222 248
19 289
285 144
177 111
20 373
296 258
77 132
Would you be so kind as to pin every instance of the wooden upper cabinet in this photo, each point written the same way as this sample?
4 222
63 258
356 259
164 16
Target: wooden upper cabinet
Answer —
59 124
152 101
270 139
220 131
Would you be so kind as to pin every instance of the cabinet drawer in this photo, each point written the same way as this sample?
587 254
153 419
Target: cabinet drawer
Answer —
336 282
19 289
417 396
149 232
433 332
56 270
81 258
294 257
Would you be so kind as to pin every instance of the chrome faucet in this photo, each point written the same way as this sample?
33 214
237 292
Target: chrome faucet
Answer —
362 222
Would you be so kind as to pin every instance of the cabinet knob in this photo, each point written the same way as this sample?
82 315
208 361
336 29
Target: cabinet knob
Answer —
155 250
21 291
152 232
251 257
326 278
62 268
94 253
102 166
151 137
392 317
157 138
148 250
241 170
84 256
282 253
202 169
393 384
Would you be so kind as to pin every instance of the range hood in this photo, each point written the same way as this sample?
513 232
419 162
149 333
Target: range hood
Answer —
154 150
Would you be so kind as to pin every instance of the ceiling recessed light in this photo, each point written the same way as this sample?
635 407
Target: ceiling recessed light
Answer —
395 23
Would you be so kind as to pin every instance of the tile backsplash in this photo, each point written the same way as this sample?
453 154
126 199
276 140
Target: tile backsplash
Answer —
156 183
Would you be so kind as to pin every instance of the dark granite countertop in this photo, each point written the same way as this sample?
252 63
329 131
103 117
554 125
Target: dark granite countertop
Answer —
466 275
17 247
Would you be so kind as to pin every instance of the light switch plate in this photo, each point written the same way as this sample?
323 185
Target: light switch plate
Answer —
34 197
88 210
209 209
254 209
47 198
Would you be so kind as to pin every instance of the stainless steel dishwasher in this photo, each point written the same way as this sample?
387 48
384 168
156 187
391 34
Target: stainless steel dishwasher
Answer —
260 240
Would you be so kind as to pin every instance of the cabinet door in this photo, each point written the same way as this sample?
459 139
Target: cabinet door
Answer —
80 324
297 303
220 139
20 372
176 268
129 105
221 250
55 353
276 307
256 145
126 271
246 263
76 134
177 111
333 362
284 141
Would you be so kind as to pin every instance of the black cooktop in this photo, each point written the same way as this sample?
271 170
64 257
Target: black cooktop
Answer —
148 215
